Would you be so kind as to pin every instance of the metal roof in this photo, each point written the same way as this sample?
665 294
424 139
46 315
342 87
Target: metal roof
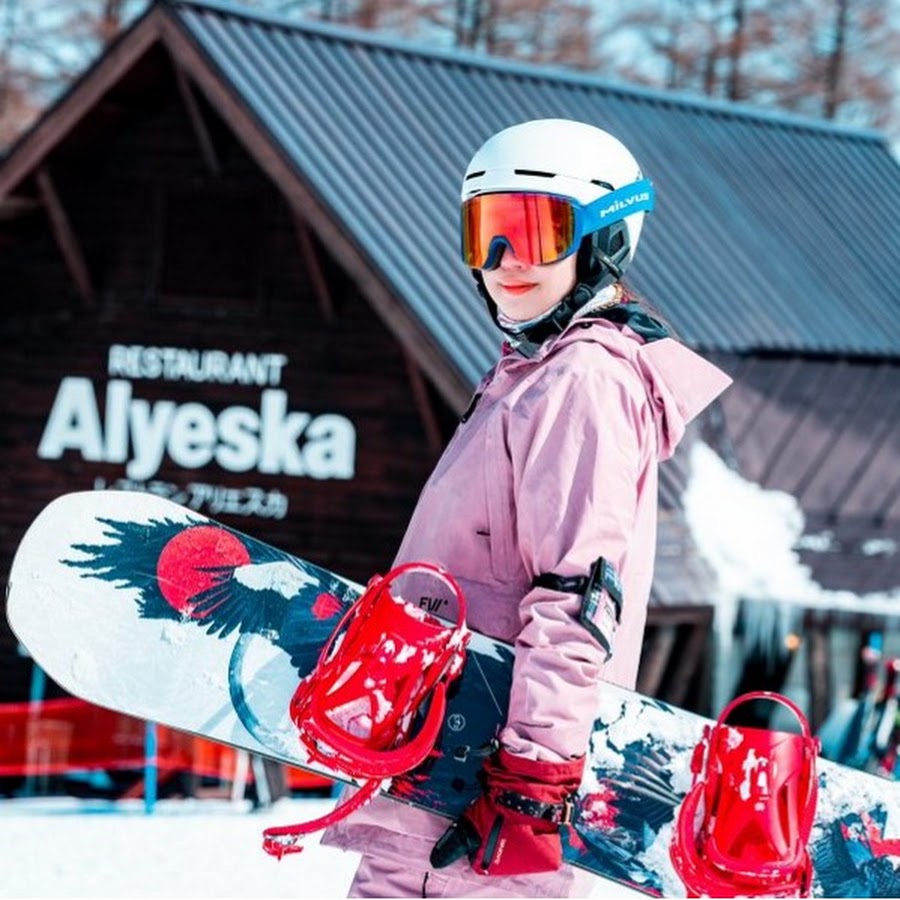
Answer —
772 232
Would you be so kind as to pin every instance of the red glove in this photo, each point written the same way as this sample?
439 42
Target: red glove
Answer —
513 827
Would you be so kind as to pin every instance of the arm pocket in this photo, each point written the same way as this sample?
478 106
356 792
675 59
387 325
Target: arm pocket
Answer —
601 604
601 600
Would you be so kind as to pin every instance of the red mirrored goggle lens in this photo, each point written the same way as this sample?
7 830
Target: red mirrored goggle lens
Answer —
540 228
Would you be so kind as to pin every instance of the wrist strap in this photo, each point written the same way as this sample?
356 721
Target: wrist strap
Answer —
555 813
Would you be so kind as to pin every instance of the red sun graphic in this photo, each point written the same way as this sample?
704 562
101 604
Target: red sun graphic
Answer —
188 563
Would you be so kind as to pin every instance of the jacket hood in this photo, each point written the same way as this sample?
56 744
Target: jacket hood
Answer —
680 383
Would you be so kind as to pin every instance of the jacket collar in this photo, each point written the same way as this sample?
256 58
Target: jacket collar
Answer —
680 384
629 315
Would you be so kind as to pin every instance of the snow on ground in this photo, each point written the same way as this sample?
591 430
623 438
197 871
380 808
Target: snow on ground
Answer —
65 847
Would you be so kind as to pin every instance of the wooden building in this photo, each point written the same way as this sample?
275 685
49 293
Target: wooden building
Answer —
228 276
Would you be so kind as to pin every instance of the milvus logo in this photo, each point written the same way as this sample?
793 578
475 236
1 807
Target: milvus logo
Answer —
626 203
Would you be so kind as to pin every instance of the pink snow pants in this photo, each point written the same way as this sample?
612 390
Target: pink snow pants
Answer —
379 876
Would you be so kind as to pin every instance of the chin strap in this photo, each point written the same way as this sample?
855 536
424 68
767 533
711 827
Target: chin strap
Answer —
622 312
528 340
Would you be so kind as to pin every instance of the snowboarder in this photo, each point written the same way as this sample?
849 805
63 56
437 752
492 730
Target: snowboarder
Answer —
544 503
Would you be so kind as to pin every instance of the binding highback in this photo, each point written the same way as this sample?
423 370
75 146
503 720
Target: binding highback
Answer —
356 710
744 825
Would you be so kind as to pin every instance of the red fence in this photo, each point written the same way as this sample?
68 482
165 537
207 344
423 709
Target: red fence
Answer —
58 736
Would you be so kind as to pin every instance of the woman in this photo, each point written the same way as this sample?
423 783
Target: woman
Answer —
550 478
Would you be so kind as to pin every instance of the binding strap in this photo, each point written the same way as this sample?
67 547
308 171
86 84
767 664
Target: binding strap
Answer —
281 839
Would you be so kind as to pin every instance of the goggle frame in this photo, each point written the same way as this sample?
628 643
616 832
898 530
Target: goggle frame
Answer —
584 219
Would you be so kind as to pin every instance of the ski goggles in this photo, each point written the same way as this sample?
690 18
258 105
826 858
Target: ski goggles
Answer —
540 228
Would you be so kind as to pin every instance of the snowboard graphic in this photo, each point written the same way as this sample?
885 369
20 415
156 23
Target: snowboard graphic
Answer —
150 609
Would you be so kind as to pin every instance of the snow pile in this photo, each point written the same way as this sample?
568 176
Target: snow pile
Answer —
62 847
749 536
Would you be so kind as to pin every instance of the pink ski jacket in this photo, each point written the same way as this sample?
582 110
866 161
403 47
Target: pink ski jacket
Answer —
553 466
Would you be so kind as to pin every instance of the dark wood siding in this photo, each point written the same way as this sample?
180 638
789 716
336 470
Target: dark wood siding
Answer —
184 257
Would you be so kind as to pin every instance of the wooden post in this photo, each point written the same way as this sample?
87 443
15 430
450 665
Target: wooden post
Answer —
201 132
314 269
818 669
65 238
424 406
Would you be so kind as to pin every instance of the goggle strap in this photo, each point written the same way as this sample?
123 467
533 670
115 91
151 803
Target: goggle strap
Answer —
635 197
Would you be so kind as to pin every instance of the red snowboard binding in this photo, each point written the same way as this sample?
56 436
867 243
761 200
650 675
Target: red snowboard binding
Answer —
743 828
355 710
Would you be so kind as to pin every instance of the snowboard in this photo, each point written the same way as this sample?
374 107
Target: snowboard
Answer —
140 605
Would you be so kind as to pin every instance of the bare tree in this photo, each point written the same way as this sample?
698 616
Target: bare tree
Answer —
836 59
830 58
736 43
544 31
44 44
112 18
8 39
835 62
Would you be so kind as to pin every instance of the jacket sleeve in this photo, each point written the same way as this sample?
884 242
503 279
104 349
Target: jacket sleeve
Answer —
578 448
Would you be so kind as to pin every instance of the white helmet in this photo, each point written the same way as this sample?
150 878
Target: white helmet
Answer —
564 157
576 161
